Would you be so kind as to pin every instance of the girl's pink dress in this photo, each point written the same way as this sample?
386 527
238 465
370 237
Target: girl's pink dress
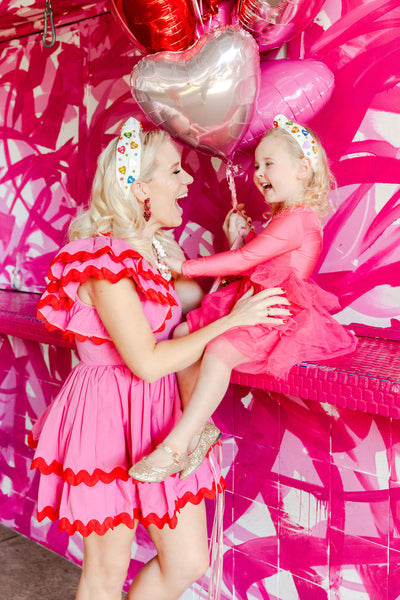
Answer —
105 418
284 255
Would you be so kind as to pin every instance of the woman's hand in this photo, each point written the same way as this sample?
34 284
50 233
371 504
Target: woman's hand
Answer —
264 307
236 223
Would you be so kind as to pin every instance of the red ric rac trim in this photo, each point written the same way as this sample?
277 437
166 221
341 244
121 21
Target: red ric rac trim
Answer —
32 443
83 256
71 335
129 520
82 476
58 299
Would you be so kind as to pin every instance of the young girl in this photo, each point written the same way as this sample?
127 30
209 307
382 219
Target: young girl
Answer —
292 173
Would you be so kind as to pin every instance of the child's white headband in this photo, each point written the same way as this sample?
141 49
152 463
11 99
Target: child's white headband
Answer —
302 136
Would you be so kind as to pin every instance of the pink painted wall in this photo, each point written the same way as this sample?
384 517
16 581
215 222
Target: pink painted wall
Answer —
312 502
313 490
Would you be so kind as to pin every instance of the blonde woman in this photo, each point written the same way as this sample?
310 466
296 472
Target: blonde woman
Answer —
110 292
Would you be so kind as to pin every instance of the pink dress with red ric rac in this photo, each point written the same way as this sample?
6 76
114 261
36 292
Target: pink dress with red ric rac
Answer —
105 418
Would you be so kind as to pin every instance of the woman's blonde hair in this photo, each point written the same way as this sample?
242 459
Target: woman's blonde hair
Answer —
320 182
110 211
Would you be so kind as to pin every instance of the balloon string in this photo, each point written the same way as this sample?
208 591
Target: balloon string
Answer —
302 47
237 241
231 183
198 9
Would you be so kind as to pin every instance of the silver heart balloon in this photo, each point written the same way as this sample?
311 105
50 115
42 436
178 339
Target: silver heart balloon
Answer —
203 96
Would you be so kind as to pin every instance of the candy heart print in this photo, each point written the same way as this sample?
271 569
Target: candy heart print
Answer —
203 96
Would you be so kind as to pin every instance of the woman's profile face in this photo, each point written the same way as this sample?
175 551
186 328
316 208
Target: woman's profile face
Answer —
169 184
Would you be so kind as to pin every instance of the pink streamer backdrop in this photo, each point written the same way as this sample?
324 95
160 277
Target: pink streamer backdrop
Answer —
313 502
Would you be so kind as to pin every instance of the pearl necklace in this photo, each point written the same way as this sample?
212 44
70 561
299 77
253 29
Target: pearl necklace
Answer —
160 253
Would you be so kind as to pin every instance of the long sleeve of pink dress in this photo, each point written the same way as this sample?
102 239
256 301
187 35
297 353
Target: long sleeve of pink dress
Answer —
279 237
284 255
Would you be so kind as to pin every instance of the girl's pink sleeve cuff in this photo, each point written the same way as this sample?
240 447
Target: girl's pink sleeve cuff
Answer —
186 269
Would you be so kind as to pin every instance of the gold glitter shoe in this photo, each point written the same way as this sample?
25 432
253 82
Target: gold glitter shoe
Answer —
145 471
208 437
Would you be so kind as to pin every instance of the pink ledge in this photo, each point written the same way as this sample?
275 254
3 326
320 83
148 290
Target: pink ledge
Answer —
368 381
18 318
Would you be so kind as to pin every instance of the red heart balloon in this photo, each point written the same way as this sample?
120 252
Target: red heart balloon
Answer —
157 25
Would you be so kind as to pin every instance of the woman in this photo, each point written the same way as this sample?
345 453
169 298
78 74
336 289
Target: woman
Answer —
110 292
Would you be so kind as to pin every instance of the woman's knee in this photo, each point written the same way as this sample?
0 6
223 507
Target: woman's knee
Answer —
199 567
187 570
109 573
106 558
183 555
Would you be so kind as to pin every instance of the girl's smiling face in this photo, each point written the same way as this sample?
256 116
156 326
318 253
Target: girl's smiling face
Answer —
278 174
169 184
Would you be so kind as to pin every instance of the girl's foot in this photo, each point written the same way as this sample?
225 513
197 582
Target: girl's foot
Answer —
208 437
149 472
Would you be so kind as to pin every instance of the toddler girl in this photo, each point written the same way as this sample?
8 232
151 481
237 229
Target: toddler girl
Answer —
292 173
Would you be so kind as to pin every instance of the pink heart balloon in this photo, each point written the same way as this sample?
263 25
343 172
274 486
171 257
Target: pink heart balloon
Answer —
203 96
299 89
274 22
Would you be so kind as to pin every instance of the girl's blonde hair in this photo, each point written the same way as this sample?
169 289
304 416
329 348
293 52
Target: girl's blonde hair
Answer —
110 211
320 182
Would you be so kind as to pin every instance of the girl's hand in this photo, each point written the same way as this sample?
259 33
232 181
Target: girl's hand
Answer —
175 264
236 223
264 307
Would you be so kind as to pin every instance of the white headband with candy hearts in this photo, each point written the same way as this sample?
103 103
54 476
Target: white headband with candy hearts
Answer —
128 154
302 136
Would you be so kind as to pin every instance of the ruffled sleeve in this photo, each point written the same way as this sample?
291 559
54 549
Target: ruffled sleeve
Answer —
103 258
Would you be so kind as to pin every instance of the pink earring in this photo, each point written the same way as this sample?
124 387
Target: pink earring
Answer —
146 210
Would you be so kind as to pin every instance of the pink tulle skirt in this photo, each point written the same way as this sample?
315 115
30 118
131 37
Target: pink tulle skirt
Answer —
309 334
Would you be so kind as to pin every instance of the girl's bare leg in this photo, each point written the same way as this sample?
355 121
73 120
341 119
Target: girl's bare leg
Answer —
187 378
105 564
211 387
212 383
207 392
184 436
182 557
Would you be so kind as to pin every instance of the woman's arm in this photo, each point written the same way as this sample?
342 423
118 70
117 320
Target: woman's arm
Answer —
280 236
120 309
